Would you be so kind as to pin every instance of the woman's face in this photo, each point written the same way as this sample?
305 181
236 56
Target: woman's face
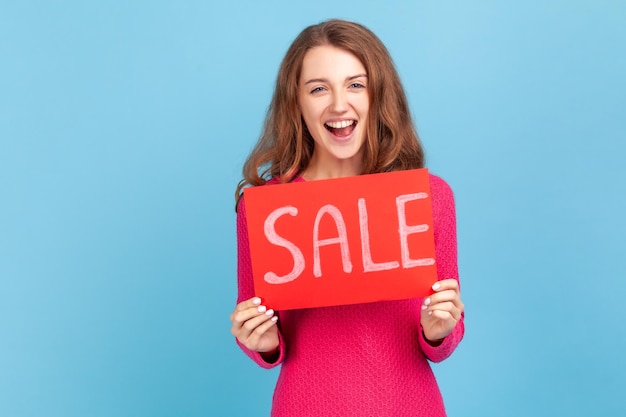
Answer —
334 102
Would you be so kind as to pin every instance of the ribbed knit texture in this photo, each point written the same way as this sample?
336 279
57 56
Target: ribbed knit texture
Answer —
365 359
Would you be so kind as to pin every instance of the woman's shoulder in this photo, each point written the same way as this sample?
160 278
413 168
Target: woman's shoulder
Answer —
439 184
440 190
241 206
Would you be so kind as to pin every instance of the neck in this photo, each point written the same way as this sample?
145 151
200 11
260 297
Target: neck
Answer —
313 173
317 170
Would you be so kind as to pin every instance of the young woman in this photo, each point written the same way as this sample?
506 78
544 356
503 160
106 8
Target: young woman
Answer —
339 110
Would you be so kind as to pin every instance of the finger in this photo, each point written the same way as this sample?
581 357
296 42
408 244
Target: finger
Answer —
241 317
441 315
255 337
253 323
251 302
244 305
446 284
245 309
455 299
444 287
445 295
442 297
250 326
448 307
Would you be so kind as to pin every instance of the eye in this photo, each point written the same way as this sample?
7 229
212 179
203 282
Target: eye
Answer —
357 85
317 90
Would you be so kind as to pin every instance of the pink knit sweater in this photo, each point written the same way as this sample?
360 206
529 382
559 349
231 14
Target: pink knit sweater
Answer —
365 359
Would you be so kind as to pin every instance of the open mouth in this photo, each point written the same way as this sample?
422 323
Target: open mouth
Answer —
342 128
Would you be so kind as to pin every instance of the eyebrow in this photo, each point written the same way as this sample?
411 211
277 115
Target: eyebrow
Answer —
324 80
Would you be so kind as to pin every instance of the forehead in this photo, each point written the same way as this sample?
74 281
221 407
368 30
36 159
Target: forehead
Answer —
330 63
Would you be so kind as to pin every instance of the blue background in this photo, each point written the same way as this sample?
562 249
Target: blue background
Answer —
123 128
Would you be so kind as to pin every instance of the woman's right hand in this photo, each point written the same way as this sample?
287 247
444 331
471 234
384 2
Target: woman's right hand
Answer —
254 326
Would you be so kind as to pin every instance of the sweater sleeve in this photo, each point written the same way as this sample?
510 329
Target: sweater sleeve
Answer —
444 228
245 285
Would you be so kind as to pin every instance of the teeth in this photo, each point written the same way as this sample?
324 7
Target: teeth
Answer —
341 124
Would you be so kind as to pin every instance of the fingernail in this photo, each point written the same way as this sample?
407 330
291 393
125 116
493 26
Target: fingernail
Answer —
427 301
436 286
256 301
430 313
274 318
262 309
269 312
424 307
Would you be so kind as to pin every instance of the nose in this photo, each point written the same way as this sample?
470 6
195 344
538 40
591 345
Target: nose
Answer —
340 102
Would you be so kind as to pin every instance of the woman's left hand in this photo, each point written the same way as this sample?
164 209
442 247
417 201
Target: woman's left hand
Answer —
441 311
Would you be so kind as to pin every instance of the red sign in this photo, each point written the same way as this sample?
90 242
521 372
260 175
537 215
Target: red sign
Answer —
342 241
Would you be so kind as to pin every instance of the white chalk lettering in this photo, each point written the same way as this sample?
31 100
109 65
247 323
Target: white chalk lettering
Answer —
272 237
368 264
342 239
406 230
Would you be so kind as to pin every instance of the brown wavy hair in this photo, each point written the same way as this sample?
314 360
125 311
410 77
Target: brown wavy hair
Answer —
285 147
